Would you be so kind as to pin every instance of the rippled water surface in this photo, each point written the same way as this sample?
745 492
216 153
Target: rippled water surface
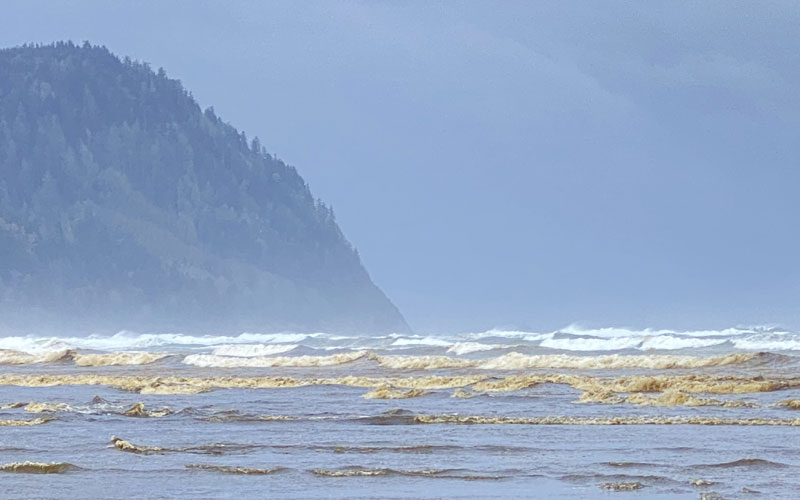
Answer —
607 413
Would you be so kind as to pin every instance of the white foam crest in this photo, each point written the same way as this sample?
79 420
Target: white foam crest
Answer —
162 339
592 344
252 350
214 361
460 348
670 342
509 334
757 344
429 341
517 361
612 332
13 357
34 345
422 362
128 340
127 358
535 337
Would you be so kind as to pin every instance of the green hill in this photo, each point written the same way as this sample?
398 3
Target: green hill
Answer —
123 205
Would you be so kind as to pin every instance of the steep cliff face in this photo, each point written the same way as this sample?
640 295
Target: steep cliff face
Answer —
124 205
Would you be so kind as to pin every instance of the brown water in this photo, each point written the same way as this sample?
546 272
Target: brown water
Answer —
571 414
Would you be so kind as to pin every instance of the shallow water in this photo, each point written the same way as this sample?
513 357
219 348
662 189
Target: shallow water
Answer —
569 414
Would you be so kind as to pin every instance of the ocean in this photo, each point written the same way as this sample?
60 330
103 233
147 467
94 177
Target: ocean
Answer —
574 413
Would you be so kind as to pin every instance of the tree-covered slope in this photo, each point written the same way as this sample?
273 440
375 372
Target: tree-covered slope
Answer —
124 205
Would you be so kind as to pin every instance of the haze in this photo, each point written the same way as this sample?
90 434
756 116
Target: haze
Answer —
616 164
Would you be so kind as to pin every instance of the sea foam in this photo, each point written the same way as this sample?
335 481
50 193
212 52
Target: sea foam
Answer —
252 350
215 361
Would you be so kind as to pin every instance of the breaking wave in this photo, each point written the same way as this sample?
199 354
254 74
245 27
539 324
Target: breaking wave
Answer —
673 343
132 341
215 361
34 407
389 392
139 410
583 421
769 344
592 344
123 445
530 349
422 362
38 467
252 350
649 332
792 404
667 398
711 384
421 341
14 357
461 348
462 394
25 423
510 361
10 357
517 361
118 358
622 486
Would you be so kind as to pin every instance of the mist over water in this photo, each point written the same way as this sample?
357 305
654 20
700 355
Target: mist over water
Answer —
175 170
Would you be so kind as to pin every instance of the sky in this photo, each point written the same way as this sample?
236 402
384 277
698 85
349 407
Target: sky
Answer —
511 164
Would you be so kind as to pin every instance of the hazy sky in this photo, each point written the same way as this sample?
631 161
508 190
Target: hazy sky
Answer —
526 164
